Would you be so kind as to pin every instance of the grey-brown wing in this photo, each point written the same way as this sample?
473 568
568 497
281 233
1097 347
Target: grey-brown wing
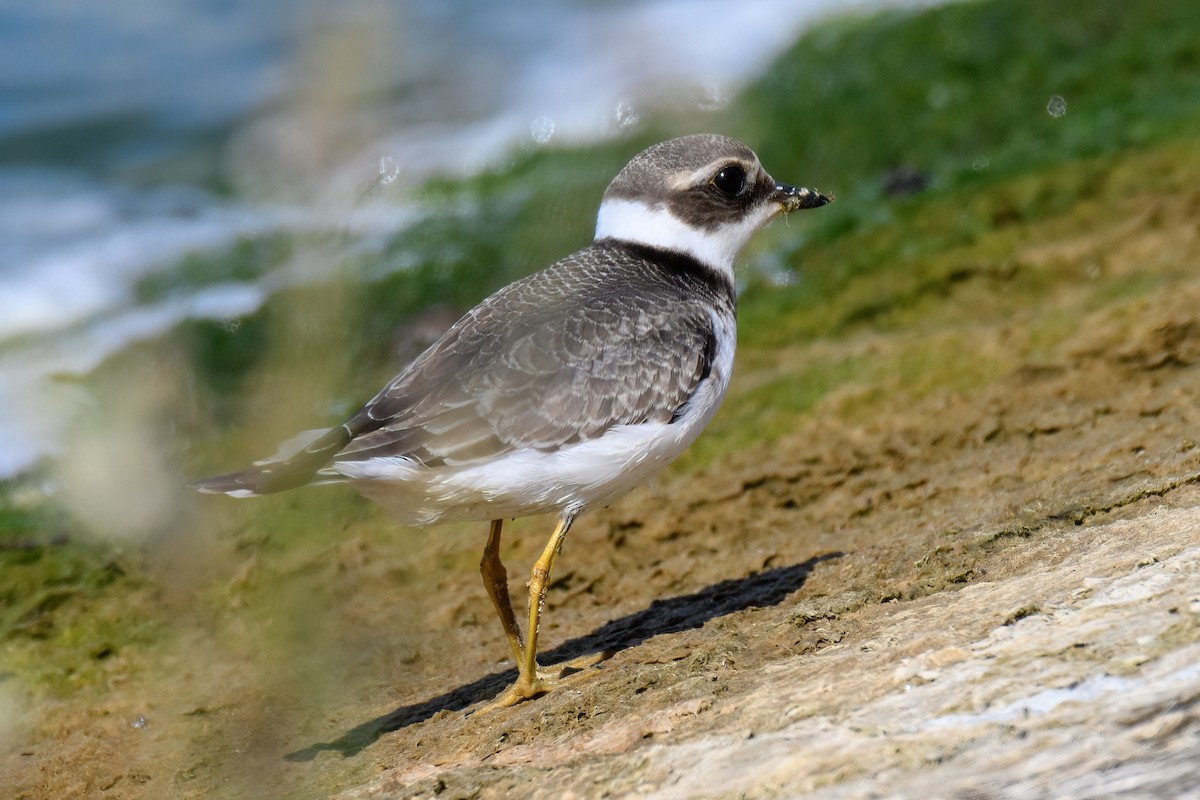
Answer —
541 369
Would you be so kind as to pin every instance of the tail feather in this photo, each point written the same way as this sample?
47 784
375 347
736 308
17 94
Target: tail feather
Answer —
267 477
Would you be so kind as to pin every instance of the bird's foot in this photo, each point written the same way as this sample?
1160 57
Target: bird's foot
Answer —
544 681
524 689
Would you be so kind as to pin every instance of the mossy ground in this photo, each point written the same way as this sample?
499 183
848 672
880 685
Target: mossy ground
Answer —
929 386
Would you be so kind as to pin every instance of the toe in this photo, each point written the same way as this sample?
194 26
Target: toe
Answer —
519 692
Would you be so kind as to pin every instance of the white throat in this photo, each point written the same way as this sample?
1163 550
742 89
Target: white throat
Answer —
655 226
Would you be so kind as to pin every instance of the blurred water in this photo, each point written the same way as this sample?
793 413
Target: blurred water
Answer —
110 114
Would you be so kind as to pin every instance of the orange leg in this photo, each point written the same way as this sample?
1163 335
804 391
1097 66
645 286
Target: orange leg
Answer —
529 683
495 580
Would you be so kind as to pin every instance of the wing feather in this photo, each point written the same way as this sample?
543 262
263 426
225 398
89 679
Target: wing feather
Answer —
559 357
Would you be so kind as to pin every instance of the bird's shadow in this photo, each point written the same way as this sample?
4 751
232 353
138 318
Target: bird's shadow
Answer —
676 614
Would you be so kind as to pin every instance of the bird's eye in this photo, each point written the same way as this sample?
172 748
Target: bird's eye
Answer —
730 181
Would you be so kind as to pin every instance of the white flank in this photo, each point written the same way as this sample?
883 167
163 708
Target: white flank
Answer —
529 481
656 226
